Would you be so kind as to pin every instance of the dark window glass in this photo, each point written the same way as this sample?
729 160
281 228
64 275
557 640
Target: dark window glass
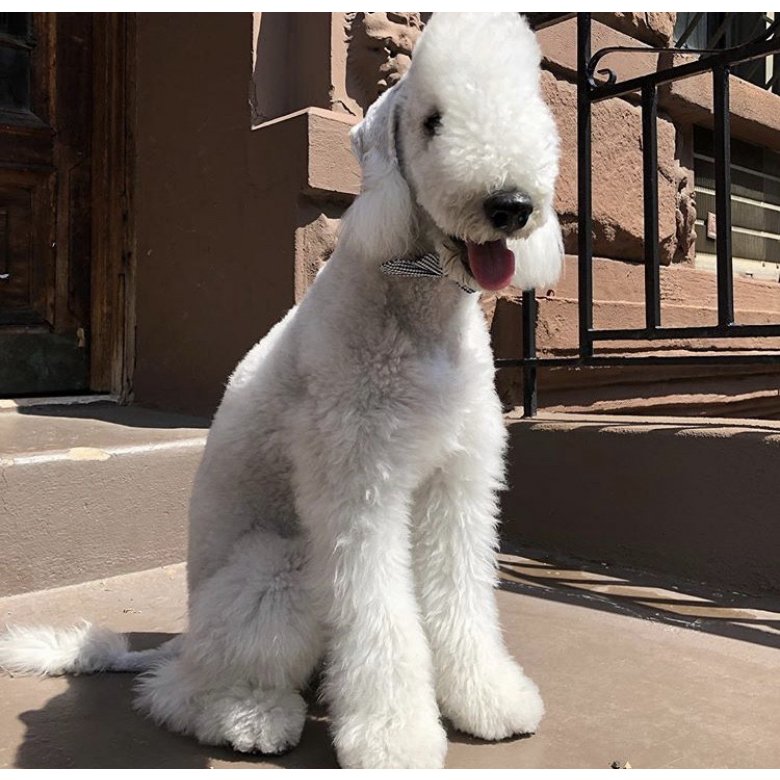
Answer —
15 47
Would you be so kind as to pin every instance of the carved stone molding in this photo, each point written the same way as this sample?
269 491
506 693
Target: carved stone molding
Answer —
379 46
685 216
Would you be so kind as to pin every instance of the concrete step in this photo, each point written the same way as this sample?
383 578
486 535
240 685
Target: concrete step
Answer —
96 490
92 490
694 498
633 668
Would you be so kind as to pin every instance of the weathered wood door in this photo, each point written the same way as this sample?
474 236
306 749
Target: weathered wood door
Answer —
46 70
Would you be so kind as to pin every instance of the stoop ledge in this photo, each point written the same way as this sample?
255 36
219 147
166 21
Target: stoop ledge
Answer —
694 498
89 491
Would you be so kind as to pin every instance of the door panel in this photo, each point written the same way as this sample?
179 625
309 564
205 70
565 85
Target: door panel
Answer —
45 190
27 256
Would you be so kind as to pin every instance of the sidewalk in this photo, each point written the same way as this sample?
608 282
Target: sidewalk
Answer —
631 670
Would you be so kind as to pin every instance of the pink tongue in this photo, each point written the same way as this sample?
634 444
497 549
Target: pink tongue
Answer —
492 264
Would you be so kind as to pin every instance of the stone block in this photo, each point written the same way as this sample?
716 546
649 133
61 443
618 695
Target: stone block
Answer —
754 111
559 50
618 216
653 27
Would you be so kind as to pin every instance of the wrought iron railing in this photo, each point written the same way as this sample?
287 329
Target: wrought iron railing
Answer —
594 85
721 30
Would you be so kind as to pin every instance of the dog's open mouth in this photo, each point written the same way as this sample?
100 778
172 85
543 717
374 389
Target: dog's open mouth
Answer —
492 264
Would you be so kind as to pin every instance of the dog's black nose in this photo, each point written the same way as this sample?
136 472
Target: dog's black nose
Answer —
508 211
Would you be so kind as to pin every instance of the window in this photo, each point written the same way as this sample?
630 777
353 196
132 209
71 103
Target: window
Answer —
698 30
15 47
755 207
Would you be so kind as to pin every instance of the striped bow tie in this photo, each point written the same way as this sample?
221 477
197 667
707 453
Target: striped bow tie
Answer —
426 265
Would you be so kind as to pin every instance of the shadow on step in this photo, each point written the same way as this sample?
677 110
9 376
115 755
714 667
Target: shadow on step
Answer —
646 596
108 412
92 725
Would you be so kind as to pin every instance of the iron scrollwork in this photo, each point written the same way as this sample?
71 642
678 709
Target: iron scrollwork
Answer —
610 78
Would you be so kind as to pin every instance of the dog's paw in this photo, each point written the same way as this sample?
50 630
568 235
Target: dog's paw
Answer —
268 722
400 743
494 703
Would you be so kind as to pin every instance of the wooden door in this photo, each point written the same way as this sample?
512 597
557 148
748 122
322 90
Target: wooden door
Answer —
46 71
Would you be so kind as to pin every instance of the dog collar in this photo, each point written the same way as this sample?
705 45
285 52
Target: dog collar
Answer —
425 265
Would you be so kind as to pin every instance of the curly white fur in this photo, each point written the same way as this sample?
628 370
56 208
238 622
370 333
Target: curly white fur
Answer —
346 506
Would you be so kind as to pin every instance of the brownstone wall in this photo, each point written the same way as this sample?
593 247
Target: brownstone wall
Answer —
240 199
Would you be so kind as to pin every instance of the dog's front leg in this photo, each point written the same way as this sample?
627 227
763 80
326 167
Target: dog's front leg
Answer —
378 678
481 689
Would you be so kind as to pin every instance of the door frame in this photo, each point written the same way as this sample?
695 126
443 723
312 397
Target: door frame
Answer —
112 298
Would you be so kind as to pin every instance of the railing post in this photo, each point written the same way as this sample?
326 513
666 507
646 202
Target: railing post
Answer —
529 354
722 155
584 194
650 188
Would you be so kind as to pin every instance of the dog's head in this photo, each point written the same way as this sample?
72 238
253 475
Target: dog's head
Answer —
468 150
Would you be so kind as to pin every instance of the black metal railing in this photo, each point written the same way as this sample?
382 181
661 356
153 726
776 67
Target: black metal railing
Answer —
721 30
596 85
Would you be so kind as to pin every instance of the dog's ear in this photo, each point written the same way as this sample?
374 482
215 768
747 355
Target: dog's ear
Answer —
539 257
356 138
385 201
373 138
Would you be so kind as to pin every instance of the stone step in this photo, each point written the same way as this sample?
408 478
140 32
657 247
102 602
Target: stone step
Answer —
92 490
690 497
97 490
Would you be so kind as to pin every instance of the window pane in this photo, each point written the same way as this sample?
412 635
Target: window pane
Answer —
15 46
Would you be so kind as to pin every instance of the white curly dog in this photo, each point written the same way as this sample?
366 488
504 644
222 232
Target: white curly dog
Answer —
346 505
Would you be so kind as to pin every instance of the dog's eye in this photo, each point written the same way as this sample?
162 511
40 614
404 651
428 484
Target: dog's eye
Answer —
432 123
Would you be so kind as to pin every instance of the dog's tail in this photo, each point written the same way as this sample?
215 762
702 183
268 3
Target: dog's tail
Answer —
83 649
